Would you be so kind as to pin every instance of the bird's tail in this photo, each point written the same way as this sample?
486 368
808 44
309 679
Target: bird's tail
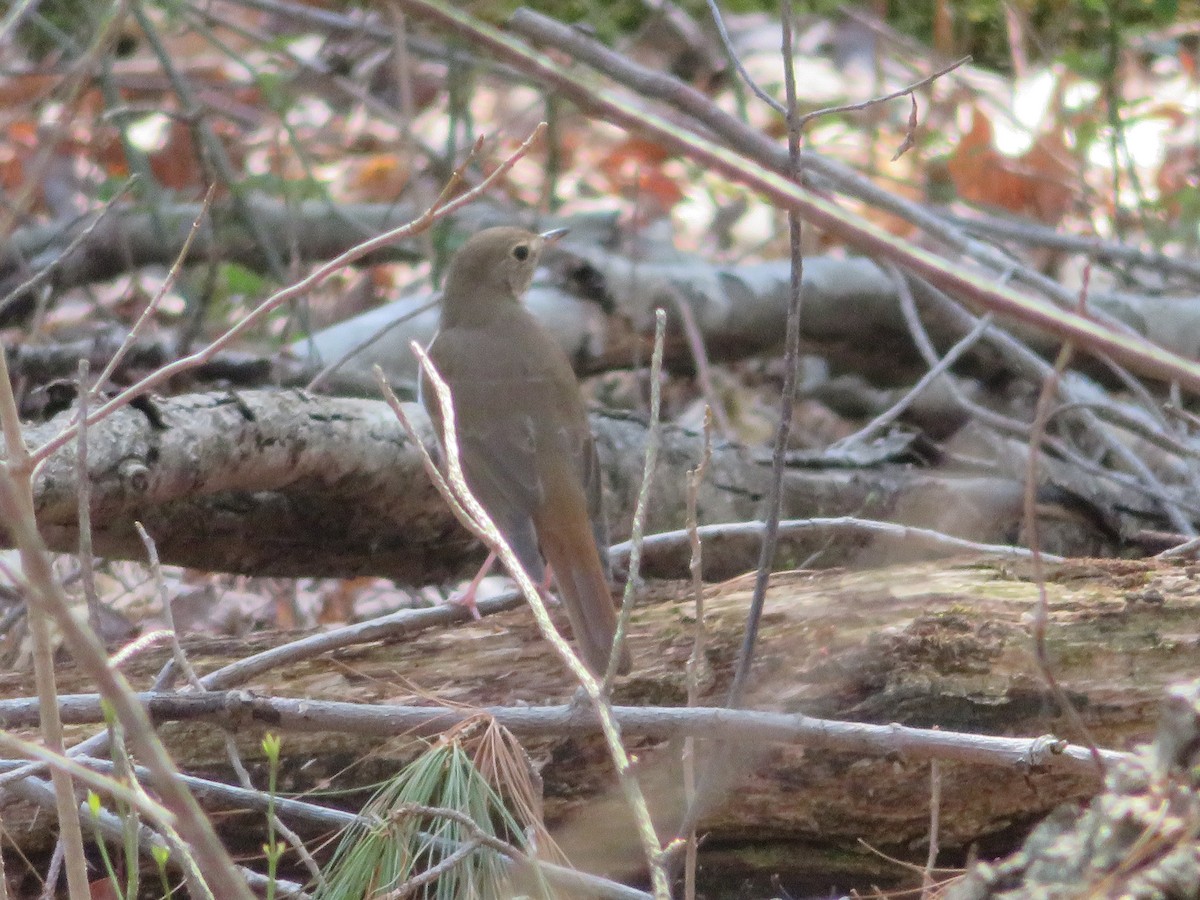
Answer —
581 582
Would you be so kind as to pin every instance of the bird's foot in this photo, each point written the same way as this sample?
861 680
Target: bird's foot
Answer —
466 599
543 588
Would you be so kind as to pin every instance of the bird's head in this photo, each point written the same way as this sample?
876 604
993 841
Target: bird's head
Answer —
493 267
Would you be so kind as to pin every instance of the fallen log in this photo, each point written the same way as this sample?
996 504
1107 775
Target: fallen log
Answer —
943 645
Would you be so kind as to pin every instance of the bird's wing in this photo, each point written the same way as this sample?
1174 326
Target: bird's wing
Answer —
495 440
499 464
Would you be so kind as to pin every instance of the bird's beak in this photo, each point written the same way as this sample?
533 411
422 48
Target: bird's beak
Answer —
553 235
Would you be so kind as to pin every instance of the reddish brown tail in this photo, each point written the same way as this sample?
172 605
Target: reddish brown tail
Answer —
570 548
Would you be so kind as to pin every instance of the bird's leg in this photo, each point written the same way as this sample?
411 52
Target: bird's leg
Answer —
466 597
544 587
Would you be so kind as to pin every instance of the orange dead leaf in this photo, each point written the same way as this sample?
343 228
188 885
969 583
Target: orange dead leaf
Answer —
379 177
22 138
1187 60
177 164
635 168
19 90
635 151
337 606
1036 184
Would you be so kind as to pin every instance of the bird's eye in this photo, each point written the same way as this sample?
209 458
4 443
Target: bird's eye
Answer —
521 252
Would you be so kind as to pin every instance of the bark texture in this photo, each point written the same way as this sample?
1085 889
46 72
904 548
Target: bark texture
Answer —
944 645
284 483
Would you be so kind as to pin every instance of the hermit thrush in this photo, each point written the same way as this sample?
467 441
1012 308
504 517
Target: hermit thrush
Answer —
525 445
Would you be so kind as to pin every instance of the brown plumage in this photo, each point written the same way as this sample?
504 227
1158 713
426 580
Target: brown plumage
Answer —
526 448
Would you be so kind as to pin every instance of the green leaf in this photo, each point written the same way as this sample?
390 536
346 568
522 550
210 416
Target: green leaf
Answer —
239 280
1165 10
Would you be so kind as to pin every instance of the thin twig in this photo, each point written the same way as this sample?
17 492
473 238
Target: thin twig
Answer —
1183 549
696 664
1095 248
791 357
448 202
695 339
16 509
727 43
3 872
83 481
480 523
889 415
319 379
866 104
728 530
168 282
389 627
45 272
54 871
1032 537
935 812
742 727
12 19
638 528
160 583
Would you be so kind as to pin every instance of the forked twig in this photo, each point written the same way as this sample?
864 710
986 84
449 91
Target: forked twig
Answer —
472 514
446 203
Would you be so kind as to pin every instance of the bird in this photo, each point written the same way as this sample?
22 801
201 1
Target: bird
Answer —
525 444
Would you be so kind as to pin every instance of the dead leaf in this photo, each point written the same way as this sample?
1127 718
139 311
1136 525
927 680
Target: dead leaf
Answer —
1037 184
